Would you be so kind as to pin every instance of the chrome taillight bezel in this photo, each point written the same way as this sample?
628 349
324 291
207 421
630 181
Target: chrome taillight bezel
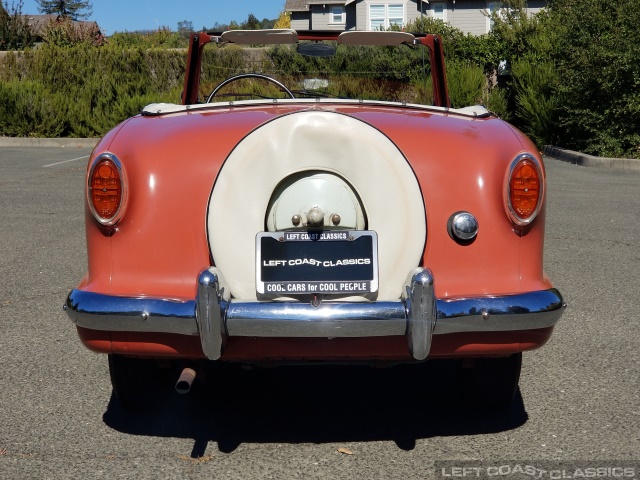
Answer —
117 216
509 208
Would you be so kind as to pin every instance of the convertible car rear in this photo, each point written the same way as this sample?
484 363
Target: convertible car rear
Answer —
309 227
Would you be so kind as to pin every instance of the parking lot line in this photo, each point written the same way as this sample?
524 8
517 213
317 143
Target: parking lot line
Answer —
66 161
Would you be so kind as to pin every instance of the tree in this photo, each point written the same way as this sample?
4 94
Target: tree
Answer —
73 9
283 21
597 52
217 27
252 23
185 27
575 74
15 32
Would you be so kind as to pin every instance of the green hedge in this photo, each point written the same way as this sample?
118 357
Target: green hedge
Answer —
83 91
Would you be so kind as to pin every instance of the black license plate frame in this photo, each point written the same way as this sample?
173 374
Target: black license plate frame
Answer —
327 262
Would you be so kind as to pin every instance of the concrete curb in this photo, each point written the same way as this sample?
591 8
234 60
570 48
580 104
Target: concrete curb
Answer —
585 160
551 151
48 142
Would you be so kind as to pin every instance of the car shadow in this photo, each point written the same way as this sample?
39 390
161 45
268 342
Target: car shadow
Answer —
317 404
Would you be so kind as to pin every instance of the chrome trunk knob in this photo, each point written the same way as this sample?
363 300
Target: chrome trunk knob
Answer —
315 217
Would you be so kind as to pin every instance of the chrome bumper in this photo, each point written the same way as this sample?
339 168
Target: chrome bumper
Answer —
418 315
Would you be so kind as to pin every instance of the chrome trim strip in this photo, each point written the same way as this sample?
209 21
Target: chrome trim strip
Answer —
286 319
97 311
525 311
421 312
157 109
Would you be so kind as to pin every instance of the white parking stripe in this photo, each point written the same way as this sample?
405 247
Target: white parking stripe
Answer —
65 161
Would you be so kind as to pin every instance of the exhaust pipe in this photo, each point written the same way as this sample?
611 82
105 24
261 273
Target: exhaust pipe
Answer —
183 385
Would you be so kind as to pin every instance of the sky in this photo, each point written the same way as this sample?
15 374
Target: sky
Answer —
130 15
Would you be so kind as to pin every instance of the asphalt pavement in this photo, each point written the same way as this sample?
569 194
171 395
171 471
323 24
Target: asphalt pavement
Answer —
578 402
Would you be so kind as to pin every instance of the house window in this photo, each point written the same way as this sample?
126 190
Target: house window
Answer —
384 15
337 14
438 11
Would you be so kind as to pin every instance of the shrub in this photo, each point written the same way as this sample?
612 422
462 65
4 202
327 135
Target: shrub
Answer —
535 86
495 99
467 84
480 50
163 37
81 91
575 73
598 46
28 109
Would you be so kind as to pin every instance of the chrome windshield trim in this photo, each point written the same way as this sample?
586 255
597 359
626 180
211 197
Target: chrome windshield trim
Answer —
157 109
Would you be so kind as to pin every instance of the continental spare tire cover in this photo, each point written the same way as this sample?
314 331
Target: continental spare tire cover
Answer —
321 141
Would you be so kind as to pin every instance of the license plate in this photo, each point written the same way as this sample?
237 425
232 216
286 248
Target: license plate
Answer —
317 262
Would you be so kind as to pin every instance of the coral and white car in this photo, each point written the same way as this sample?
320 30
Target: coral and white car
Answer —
309 227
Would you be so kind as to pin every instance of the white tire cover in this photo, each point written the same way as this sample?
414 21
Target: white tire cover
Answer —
316 140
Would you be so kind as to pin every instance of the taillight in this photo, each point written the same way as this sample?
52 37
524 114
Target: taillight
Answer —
524 189
106 189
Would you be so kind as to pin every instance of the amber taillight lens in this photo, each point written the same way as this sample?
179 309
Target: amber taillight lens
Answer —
524 190
106 190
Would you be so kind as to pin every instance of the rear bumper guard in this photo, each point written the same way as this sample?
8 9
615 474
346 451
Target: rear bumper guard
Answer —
418 315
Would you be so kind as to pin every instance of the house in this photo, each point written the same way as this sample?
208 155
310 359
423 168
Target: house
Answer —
39 23
466 15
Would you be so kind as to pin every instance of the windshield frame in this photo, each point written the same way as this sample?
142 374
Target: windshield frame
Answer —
198 41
